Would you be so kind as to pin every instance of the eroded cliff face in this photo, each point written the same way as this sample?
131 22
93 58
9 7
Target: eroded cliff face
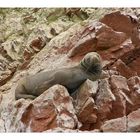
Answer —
34 40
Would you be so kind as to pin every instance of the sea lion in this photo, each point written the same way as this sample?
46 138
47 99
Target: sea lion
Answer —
33 85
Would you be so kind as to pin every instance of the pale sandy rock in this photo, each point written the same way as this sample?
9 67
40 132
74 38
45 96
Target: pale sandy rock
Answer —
2 126
13 47
11 114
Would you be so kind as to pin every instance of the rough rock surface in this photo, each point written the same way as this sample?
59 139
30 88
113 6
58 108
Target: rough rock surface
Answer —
34 40
115 125
134 121
52 109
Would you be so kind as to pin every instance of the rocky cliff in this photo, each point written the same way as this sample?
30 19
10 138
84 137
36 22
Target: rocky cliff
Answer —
34 40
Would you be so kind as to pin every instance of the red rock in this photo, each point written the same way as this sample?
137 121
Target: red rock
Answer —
86 42
104 92
85 126
27 54
24 65
134 85
135 37
118 106
37 44
87 113
119 82
134 121
135 65
118 52
115 125
121 91
50 110
85 107
88 89
129 56
97 36
123 69
6 76
125 51
120 22
104 100
34 46
107 38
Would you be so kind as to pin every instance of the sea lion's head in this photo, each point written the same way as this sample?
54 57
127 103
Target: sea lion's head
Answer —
92 63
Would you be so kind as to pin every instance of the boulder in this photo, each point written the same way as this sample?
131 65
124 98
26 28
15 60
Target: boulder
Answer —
86 42
120 22
84 104
119 82
97 36
104 100
121 91
51 109
134 121
121 51
108 38
123 69
88 113
87 89
134 86
115 125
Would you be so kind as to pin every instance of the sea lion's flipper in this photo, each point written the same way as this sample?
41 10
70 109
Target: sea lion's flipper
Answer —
25 96
21 92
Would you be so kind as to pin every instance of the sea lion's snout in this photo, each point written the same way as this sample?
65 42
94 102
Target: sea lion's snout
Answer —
91 59
94 59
